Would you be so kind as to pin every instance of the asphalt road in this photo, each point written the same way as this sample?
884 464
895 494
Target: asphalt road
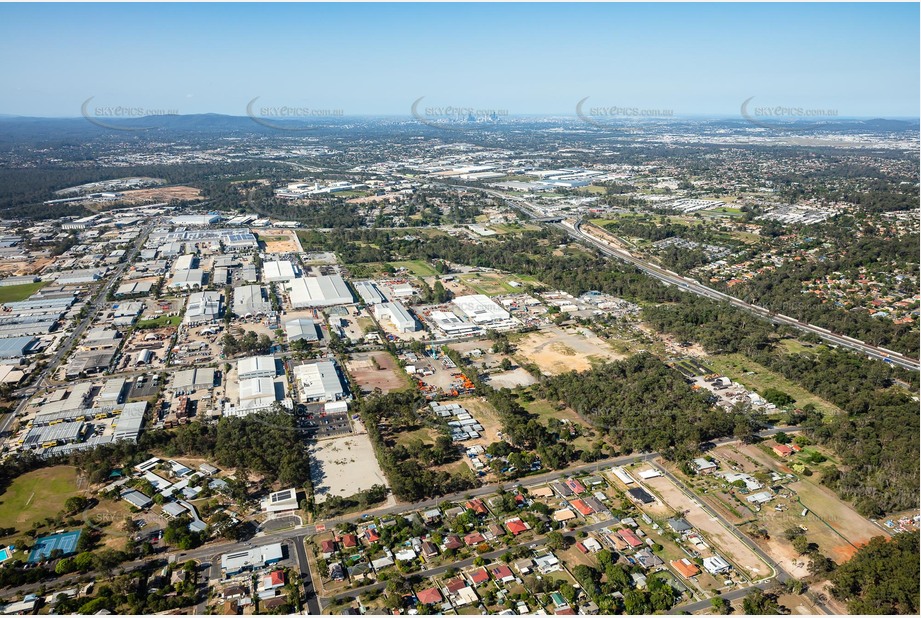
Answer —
691 285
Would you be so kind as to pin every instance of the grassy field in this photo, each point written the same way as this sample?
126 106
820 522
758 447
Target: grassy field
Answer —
163 320
511 228
757 377
36 495
416 267
545 411
488 284
593 189
792 346
12 293
425 434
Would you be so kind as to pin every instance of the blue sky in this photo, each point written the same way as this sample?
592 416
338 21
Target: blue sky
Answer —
857 59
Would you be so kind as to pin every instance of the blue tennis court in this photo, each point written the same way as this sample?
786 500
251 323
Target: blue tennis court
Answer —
64 541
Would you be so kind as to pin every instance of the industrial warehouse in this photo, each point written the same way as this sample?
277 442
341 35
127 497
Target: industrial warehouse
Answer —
321 291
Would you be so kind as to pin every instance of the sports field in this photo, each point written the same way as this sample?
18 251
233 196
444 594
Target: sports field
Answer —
36 495
12 293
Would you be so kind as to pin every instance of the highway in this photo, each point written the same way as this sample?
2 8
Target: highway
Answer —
610 249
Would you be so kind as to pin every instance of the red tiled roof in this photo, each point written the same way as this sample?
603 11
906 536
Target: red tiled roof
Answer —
277 578
328 546
782 449
474 538
516 526
685 567
453 585
429 596
582 507
477 506
502 571
349 540
480 576
452 541
630 538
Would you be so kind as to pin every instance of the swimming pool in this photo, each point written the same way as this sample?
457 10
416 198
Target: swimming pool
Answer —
5 554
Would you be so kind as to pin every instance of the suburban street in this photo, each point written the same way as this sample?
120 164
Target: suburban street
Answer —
295 535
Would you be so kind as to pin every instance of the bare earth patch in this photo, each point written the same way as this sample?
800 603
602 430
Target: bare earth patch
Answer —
376 370
718 536
557 351
278 241
344 466
160 194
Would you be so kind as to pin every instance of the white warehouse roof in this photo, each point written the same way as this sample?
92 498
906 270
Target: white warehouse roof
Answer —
368 292
319 381
320 291
278 270
301 328
257 388
203 307
256 367
480 309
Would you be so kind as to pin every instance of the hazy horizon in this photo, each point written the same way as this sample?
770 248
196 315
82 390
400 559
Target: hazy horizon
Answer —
704 60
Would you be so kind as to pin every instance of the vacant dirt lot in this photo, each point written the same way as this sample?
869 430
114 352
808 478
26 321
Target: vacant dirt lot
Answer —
376 370
279 241
511 379
25 268
483 412
160 194
557 351
344 466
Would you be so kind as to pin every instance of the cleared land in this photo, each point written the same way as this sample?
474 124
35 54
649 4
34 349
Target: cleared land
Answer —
160 194
494 284
419 268
545 411
836 527
511 379
483 412
279 241
557 351
344 466
377 370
